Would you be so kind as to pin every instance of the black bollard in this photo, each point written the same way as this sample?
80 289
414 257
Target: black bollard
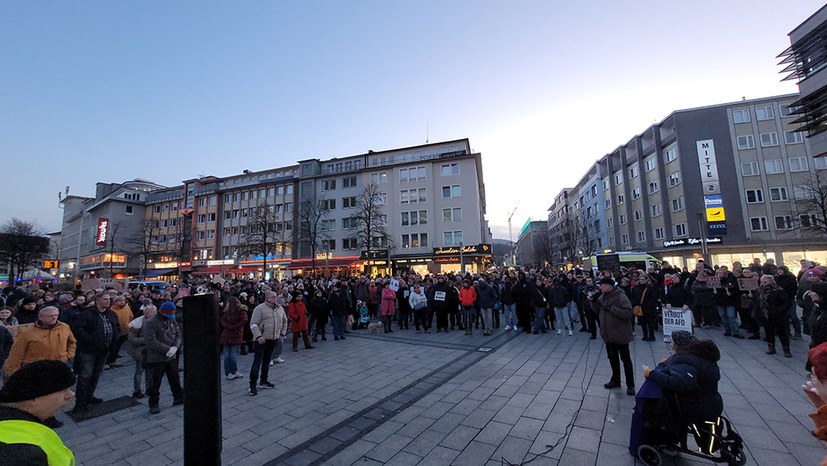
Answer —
202 381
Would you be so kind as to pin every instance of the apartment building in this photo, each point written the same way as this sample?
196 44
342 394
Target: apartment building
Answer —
728 182
431 201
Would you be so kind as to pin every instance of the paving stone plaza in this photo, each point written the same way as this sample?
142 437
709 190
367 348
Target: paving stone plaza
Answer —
440 399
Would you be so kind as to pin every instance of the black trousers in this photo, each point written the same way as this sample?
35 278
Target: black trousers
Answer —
442 318
592 317
524 312
157 370
261 361
620 352
648 322
778 325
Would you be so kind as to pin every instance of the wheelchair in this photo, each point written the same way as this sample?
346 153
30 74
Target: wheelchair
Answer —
716 441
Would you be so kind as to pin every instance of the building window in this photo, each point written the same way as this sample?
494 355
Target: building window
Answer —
621 199
740 116
605 185
412 174
329 245
656 210
349 202
638 215
807 220
415 240
450 169
651 163
798 164
773 166
769 139
607 203
379 178
633 173
624 238
654 187
350 243
328 204
671 154
641 236
783 222
786 110
271 192
158 209
820 163
328 224
452 215
778 194
618 178
280 189
622 219
755 196
750 169
610 222
758 223
328 185
659 234
349 223
450 238
677 204
793 137
764 113
746 142
349 182
451 191
226 198
680 229
636 193
202 218
202 202
675 179
129 210
210 234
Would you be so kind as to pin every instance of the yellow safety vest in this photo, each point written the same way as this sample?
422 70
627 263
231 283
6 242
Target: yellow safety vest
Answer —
33 433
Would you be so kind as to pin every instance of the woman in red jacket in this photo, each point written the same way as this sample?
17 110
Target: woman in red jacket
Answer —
388 306
232 335
297 311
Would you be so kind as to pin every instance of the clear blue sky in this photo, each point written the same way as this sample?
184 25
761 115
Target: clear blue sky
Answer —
111 91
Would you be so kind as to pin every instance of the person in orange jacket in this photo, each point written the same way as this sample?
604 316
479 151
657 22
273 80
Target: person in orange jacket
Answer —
467 298
297 311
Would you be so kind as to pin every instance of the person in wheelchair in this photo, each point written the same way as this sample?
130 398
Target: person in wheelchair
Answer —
681 393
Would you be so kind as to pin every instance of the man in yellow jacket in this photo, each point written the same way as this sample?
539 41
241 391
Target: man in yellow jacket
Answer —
47 339
31 395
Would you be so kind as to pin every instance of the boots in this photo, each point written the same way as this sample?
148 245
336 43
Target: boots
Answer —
787 353
771 348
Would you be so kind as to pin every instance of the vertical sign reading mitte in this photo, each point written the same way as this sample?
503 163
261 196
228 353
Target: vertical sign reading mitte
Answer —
102 231
709 166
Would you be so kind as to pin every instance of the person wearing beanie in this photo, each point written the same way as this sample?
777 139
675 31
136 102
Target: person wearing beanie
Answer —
30 396
162 339
616 330
96 330
27 310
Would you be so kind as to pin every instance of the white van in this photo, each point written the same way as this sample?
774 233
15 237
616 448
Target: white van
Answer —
625 259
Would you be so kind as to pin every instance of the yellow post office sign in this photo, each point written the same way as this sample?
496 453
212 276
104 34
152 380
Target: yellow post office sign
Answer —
715 214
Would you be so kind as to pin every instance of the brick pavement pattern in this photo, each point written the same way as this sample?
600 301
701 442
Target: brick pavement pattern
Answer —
406 399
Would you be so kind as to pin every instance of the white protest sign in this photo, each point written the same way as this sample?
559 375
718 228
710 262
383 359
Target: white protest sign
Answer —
675 319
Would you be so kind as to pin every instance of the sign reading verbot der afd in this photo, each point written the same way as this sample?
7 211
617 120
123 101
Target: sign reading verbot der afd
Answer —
675 319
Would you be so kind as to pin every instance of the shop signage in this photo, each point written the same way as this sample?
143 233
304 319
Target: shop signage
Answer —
708 165
51 264
479 249
102 232
716 228
377 254
692 241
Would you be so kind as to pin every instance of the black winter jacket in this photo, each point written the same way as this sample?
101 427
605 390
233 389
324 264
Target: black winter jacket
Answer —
88 330
693 376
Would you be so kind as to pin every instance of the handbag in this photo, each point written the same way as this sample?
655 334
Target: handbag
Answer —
638 310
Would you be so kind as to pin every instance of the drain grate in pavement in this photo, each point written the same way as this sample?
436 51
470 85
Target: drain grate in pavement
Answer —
329 443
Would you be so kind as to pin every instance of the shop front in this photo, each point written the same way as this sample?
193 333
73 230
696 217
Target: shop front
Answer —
376 262
462 259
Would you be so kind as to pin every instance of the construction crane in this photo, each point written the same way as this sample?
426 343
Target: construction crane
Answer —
511 236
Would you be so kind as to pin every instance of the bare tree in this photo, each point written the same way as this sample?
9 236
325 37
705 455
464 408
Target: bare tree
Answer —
143 243
111 237
568 239
812 204
22 244
371 221
311 214
264 236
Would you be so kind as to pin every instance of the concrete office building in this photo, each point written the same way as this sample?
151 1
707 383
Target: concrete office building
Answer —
432 201
732 175
532 248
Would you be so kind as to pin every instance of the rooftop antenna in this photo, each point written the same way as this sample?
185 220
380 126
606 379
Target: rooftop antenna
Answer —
427 131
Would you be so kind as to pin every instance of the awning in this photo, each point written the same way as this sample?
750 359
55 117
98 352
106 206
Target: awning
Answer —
217 269
335 262
152 273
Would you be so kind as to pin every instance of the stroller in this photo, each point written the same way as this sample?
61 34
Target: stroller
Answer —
659 429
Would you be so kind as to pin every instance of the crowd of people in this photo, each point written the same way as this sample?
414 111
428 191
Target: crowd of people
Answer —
87 330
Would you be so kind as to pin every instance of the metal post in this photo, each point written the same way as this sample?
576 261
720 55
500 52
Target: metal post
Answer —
202 382
461 260
704 246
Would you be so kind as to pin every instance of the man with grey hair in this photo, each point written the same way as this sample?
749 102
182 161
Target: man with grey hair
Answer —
268 323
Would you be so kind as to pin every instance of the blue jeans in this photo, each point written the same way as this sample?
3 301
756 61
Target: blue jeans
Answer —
338 326
729 317
572 312
796 321
539 318
510 314
563 318
89 367
230 355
